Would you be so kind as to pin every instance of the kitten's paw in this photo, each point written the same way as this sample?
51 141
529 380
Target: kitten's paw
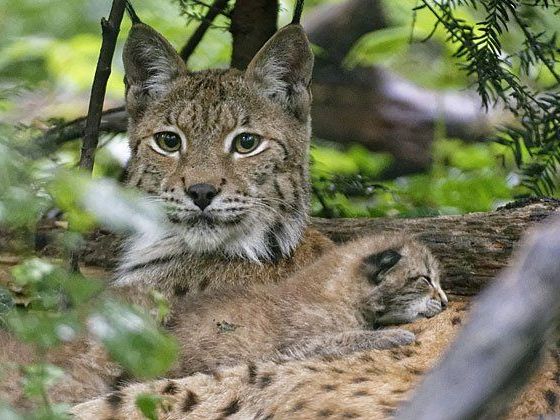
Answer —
433 307
394 337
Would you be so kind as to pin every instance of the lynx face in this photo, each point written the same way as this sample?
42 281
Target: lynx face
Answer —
225 151
405 285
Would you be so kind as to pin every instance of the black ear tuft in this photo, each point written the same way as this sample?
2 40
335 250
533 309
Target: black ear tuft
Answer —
387 259
377 264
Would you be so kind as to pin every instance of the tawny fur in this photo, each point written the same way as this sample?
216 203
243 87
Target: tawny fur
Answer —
254 231
368 385
329 308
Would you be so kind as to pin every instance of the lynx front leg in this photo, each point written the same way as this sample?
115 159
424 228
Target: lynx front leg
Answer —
347 342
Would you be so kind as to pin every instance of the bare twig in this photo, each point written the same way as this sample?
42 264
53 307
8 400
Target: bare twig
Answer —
113 120
110 28
213 11
500 349
110 31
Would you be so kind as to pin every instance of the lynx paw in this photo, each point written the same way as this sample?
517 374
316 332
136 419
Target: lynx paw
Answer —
398 337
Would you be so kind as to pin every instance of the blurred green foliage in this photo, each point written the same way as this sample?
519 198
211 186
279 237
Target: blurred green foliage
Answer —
463 178
55 306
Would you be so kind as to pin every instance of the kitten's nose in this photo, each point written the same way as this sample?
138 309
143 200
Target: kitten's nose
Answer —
202 194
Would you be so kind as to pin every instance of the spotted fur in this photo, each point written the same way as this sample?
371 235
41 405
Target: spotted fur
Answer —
259 214
364 385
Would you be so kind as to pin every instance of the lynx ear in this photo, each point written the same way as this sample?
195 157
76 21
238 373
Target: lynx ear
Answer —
150 65
376 264
282 69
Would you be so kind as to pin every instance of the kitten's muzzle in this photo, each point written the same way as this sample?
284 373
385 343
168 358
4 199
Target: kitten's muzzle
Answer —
202 194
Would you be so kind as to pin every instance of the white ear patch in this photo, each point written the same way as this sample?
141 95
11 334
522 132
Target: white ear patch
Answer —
271 76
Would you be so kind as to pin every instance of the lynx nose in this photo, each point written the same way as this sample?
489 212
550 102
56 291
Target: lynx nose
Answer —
202 194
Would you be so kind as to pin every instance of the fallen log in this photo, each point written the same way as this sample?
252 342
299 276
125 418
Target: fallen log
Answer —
471 247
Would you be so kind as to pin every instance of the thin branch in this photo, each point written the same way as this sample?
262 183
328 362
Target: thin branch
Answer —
110 31
213 11
110 28
211 6
532 42
55 137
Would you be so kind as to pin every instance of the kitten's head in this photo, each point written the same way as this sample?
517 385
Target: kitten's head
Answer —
404 284
226 151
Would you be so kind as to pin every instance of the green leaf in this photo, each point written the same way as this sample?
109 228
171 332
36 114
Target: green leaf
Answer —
39 377
6 301
81 289
44 328
87 201
133 339
32 271
148 405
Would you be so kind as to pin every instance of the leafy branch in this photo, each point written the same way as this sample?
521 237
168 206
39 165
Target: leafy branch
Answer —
535 140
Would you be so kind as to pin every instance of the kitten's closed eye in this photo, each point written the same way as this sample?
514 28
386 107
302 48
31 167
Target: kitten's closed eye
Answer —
425 279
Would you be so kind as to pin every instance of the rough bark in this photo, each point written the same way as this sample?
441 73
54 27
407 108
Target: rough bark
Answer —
501 347
253 22
472 247
111 28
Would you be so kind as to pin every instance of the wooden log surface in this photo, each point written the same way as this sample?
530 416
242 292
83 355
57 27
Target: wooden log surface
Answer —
471 247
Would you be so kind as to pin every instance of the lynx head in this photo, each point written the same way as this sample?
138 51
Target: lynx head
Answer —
404 284
226 151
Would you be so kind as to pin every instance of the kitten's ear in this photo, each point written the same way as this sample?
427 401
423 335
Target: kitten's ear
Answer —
376 264
150 65
282 69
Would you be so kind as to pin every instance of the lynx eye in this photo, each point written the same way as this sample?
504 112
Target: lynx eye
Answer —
245 143
168 141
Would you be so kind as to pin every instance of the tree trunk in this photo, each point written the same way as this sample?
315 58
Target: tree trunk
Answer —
472 248
253 22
